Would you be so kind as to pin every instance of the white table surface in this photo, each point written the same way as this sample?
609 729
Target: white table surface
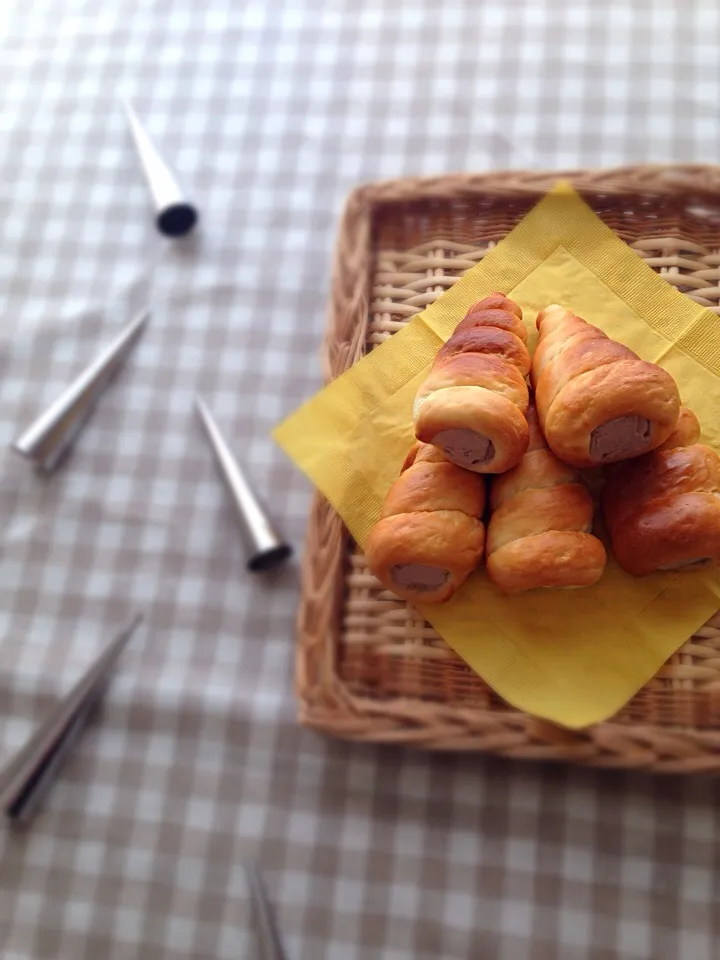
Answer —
271 113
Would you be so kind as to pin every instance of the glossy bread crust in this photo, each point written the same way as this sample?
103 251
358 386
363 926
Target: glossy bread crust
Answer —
552 559
481 411
597 401
430 536
662 511
539 533
472 404
687 431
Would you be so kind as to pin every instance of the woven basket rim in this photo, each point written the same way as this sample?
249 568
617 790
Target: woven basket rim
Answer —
326 702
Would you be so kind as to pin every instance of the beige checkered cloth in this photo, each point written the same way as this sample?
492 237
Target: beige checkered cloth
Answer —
271 112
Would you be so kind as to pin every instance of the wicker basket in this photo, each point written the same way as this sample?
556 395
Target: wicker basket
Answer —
368 666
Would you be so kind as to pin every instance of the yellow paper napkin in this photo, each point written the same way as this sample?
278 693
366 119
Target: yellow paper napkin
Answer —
573 657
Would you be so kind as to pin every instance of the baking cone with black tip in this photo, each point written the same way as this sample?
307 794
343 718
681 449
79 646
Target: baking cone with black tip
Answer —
175 215
264 546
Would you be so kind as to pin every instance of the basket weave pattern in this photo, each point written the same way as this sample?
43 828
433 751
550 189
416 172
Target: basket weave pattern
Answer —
369 666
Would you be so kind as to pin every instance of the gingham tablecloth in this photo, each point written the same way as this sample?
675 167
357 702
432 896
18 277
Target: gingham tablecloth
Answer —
271 113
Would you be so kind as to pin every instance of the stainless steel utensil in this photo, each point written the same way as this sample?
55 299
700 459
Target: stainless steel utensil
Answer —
266 928
175 215
265 547
28 777
46 441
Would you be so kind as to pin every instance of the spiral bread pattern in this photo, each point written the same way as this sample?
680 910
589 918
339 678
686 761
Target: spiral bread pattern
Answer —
539 530
430 536
472 405
597 401
662 510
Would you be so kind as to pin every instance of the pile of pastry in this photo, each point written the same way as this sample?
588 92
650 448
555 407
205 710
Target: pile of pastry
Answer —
593 404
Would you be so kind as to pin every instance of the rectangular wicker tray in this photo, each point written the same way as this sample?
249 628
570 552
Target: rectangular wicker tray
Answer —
368 666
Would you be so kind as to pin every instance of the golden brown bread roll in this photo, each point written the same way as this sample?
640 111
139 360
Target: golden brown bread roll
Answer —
430 536
662 510
539 530
597 401
472 405
687 431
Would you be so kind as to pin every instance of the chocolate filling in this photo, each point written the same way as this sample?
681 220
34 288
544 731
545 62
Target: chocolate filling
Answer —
418 576
688 564
620 438
465 447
